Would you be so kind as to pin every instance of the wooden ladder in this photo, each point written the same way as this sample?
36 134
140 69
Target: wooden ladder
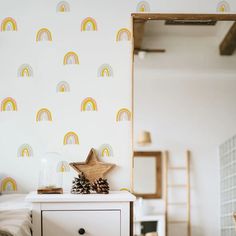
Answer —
177 186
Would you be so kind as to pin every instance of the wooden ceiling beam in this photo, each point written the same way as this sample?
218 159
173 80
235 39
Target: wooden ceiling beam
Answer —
139 26
228 45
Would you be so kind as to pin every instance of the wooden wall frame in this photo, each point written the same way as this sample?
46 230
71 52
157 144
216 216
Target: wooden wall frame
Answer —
158 156
143 17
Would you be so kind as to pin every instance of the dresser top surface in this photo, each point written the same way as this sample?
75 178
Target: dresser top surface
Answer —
113 196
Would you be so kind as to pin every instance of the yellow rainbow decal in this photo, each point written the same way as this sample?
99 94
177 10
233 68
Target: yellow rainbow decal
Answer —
105 150
8 104
71 138
105 70
71 58
8 24
123 35
25 150
143 7
25 70
123 115
63 6
43 115
8 185
63 87
89 24
63 166
89 104
43 35
223 6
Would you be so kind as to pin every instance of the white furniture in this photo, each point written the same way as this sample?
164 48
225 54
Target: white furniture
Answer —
161 223
92 214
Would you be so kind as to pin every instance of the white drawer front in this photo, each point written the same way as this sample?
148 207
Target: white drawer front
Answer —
68 223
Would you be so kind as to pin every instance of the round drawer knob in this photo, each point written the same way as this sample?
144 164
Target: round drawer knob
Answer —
81 231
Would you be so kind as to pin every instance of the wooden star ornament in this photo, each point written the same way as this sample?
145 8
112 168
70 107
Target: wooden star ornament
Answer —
92 168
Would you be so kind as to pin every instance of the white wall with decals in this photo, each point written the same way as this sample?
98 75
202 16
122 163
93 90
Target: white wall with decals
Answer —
44 43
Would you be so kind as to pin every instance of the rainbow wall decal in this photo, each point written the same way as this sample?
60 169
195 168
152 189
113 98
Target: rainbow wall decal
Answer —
63 166
25 70
71 58
25 150
105 150
89 24
63 87
8 185
8 104
8 24
123 35
143 7
89 104
123 115
43 35
223 6
43 115
105 70
63 6
71 138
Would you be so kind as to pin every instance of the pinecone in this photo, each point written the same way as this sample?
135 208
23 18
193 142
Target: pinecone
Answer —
101 186
80 185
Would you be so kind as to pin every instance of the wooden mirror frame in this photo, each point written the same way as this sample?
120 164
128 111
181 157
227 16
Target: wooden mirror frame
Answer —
158 156
141 18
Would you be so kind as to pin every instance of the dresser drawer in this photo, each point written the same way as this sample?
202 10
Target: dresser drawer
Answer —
94 223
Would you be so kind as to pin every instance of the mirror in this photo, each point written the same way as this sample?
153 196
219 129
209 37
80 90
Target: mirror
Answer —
147 174
184 95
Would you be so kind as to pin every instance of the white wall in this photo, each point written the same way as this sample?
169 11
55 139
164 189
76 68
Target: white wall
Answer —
188 103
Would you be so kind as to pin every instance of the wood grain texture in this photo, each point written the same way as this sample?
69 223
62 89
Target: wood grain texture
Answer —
50 191
92 168
183 16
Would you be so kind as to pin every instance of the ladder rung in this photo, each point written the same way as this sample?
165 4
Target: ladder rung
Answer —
177 168
177 186
177 203
178 222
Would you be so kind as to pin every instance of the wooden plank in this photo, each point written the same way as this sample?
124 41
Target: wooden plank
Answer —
183 16
228 45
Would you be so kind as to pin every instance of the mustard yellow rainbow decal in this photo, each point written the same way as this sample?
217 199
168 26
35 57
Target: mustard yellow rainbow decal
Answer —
25 150
125 189
8 185
63 87
105 70
63 7
143 7
43 35
123 115
123 35
89 104
25 70
71 58
63 166
89 24
223 6
105 151
43 115
71 138
8 24
8 104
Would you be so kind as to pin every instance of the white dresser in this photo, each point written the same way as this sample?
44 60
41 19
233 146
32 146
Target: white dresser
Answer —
91 215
